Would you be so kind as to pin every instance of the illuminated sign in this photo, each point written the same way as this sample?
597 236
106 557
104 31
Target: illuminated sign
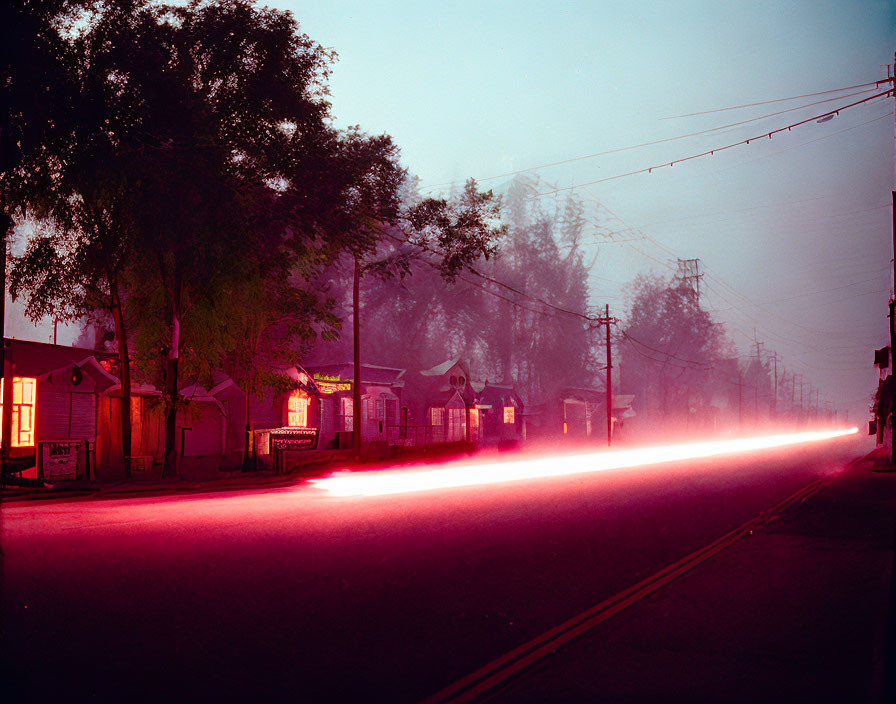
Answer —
287 439
326 377
331 387
508 414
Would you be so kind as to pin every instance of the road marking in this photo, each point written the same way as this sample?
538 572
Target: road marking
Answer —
500 670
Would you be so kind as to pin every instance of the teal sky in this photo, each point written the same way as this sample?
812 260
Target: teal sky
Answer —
794 232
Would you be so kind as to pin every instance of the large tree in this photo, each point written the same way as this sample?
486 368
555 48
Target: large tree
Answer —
675 358
63 169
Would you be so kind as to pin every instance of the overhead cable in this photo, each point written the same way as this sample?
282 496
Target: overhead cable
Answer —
711 152
876 84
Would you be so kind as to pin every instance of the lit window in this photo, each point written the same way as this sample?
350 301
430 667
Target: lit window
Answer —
457 426
437 416
297 411
348 419
24 400
508 414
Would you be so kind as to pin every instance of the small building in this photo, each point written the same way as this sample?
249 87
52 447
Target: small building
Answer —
441 406
383 420
147 430
500 412
55 396
286 422
211 428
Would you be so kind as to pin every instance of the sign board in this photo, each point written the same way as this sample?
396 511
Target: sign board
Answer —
331 387
59 460
289 439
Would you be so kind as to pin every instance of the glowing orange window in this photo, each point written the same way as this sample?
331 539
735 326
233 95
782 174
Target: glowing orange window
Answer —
509 414
24 406
297 411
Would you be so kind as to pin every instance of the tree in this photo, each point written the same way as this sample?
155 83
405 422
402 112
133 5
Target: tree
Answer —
673 354
504 335
64 170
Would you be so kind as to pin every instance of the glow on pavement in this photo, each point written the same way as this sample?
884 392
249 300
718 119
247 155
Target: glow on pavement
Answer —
403 481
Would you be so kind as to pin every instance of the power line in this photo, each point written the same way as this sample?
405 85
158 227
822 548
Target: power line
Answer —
711 152
659 141
490 279
876 84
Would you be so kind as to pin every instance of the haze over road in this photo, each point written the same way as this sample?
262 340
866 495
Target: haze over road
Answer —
290 593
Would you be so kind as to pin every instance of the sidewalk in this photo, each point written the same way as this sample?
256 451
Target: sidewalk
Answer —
228 481
801 611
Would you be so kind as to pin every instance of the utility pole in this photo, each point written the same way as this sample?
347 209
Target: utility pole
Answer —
740 399
609 381
356 380
774 356
607 320
689 273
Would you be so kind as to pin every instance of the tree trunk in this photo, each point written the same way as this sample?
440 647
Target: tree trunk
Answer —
124 364
248 443
171 462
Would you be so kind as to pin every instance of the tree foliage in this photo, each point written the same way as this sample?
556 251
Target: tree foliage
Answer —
450 305
675 359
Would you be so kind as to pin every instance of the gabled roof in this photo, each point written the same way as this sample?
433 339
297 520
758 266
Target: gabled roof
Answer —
442 368
499 395
370 373
94 378
37 358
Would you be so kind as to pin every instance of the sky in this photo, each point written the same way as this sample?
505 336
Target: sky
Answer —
794 233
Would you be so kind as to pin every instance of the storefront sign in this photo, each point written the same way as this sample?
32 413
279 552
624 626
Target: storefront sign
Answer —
331 387
288 439
326 377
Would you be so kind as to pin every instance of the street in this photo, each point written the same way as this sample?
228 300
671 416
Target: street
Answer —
291 594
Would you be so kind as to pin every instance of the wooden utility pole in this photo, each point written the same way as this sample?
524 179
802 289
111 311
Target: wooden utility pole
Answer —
356 344
609 381
607 320
775 396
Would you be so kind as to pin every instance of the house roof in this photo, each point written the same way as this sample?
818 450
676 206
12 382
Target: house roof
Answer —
370 373
93 378
37 358
499 395
442 368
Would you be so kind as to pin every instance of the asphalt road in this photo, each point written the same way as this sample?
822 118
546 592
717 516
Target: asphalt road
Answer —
293 595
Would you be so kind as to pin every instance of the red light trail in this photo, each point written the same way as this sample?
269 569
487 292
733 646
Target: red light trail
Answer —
402 481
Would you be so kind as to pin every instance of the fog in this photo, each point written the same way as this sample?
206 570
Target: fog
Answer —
584 118
793 233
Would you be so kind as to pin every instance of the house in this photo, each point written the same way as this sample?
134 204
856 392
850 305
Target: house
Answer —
286 422
578 414
211 428
55 399
499 410
383 420
441 405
